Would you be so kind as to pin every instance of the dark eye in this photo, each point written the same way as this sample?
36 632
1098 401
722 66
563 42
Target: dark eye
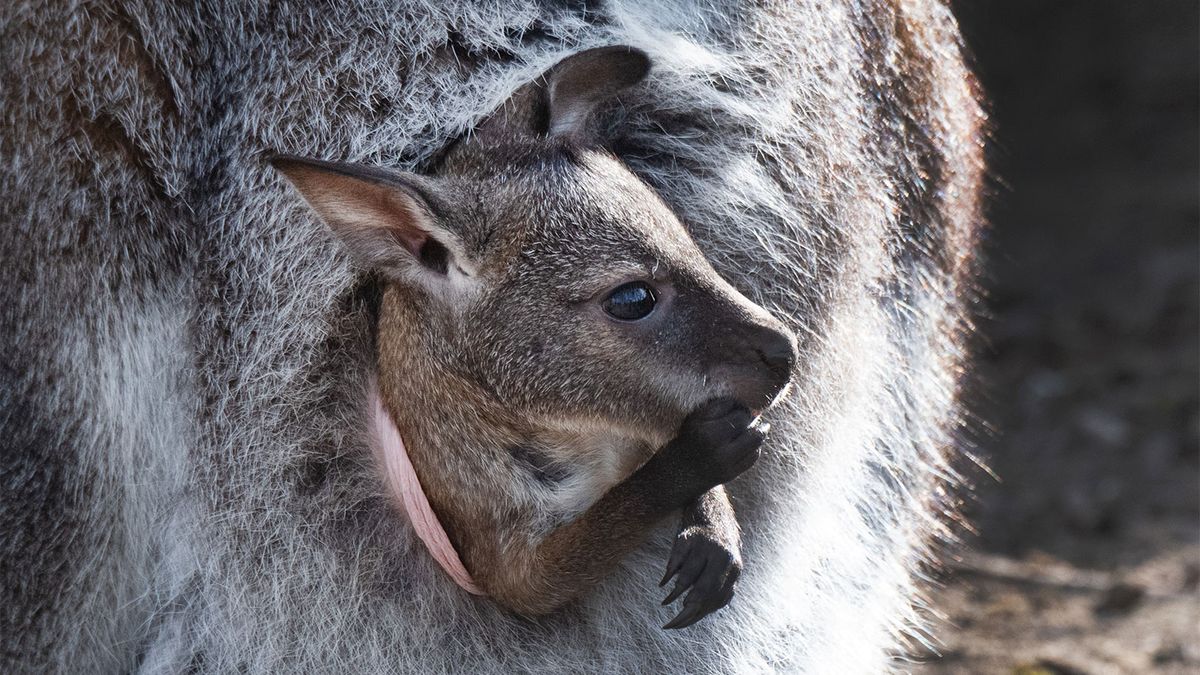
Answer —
630 302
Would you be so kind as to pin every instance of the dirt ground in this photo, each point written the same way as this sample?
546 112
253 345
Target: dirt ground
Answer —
1087 556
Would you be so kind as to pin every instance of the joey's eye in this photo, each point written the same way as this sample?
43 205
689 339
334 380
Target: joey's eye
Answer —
630 302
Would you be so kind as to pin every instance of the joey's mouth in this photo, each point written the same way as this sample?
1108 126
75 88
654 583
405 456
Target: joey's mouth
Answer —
760 409
757 393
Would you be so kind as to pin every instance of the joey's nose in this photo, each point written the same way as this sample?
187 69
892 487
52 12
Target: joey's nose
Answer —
778 351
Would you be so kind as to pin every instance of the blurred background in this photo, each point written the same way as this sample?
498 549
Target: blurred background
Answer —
1087 557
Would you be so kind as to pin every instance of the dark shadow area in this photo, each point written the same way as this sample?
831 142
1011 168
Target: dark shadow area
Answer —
1090 358
1091 361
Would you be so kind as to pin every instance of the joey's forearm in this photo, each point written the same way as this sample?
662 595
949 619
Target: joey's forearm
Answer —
711 510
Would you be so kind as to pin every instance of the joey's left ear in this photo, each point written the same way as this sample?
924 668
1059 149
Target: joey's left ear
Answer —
564 100
582 83
388 219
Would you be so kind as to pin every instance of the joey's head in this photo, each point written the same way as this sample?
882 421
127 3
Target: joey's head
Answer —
543 271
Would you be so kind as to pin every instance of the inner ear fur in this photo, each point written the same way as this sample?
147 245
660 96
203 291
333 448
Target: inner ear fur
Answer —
386 218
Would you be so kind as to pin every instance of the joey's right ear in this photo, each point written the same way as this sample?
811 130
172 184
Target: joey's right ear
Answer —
386 218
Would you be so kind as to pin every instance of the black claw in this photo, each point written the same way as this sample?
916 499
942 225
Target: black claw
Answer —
675 622
687 578
667 577
678 556
681 556
690 614
698 615
693 570
680 587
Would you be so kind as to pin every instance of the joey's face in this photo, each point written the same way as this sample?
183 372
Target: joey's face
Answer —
604 312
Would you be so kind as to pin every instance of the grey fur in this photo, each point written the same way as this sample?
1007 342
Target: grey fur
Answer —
185 349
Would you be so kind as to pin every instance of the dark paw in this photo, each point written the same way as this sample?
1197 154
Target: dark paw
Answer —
706 565
720 439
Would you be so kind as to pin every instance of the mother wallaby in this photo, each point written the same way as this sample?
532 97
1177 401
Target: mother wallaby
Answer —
186 350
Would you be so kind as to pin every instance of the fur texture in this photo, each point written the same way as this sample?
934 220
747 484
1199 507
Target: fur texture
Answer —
186 477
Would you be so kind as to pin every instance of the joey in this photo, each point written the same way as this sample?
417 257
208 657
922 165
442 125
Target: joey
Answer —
564 366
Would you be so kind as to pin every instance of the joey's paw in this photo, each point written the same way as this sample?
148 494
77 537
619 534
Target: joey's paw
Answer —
720 439
707 565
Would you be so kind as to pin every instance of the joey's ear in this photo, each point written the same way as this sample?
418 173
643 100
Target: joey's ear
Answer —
388 219
562 102
582 83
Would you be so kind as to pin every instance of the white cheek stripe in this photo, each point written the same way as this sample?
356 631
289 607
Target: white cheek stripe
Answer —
406 487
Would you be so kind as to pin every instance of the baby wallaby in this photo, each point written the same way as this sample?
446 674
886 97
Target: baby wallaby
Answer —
564 366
